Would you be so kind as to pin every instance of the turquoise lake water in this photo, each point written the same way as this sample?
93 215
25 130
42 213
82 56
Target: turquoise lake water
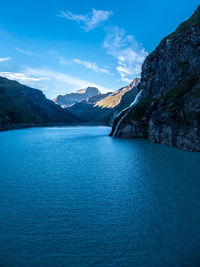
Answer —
73 196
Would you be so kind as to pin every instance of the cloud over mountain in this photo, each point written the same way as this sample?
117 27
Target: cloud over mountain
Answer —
129 53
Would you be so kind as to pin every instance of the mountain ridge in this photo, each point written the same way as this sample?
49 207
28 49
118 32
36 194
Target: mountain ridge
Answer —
22 106
79 95
103 111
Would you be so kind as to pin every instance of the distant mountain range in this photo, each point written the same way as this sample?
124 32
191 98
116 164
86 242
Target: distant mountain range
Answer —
22 106
103 108
78 96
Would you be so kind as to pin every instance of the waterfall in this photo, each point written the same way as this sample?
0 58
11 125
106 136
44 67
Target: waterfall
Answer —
136 100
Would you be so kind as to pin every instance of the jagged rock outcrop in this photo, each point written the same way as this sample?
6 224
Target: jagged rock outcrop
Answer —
22 106
80 95
169 109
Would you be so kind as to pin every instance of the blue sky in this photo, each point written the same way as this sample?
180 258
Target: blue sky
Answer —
59 46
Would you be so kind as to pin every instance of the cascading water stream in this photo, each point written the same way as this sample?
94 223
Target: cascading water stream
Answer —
136 100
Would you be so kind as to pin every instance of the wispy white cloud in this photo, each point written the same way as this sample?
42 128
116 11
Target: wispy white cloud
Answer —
89 21
29 80
3 59
50 80
91 66
129 53
22 77
65 79
64 61
27 53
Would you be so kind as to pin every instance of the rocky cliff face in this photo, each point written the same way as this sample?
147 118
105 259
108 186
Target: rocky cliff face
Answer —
22 106
169 109
80 95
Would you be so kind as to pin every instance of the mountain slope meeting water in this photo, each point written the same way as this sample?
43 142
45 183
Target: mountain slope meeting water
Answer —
126 110
169 109
22 106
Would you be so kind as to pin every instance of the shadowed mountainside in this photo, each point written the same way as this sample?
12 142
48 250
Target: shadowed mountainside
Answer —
169 109
104 108
22 106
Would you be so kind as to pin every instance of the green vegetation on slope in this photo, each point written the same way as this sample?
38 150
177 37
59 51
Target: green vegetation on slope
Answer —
22 104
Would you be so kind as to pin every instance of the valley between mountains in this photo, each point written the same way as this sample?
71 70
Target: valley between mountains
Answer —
167 111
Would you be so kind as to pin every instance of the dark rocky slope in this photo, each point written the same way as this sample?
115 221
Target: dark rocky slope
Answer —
102 109
169 109
22 106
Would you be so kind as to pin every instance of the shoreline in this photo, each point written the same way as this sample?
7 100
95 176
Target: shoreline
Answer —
16 126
